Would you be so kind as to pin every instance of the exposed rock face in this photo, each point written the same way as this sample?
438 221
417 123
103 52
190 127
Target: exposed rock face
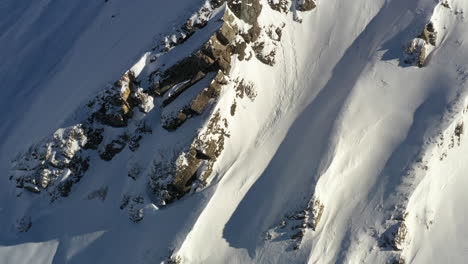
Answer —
294 226
445 4
246 10
52 164
280 5
415 52
418 49
429 35
24 224
395 236
245 89
100 194
459 129
306 5
264 56
113 148
197 104
143 100
115 118
173 178
213 56
317 211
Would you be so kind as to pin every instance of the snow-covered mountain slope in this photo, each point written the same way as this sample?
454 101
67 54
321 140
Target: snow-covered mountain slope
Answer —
253 131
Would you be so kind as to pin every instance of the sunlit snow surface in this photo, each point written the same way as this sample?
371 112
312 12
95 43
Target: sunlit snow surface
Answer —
338 117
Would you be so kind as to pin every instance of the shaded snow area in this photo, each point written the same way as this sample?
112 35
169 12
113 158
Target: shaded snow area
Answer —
233 131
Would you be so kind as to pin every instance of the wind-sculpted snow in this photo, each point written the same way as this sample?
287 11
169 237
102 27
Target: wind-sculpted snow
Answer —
252 131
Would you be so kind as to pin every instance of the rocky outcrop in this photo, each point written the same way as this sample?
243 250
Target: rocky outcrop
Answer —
417 50
114 121
400 236
247 10
100 194
282 6
429 35
114 104
113 148
306 5
52 164
174 177
213 56
196 104
294 226
396 234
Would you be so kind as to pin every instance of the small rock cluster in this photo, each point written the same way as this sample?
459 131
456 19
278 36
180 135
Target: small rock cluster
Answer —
395 236
294 226
115 119
417 50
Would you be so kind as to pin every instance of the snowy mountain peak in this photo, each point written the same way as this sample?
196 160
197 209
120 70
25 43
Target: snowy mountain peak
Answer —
237 131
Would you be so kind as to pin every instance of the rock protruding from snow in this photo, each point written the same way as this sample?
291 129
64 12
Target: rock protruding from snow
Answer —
306 5
415 52
53 165
280 5
396 234
294 226
418 49
177 174
429 35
